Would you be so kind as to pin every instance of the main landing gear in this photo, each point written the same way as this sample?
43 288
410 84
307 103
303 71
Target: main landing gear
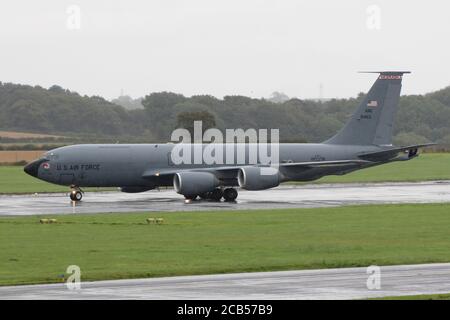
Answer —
76 194
228 194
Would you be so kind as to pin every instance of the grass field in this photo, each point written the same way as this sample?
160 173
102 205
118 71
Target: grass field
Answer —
113 246
426 167
14 180
445 296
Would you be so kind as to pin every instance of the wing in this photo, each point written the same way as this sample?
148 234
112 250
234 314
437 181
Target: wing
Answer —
233 170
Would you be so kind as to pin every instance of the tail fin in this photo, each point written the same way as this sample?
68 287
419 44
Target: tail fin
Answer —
372 123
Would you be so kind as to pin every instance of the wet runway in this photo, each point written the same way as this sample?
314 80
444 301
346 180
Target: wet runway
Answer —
306 196
345 283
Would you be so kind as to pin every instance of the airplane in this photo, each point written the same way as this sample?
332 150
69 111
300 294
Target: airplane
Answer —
365 141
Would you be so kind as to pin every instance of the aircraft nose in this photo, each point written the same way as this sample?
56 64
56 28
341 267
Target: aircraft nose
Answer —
33 167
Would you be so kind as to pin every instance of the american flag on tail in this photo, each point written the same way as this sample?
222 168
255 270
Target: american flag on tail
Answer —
372 103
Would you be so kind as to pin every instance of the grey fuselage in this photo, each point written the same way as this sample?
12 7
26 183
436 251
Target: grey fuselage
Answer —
365 140
138 165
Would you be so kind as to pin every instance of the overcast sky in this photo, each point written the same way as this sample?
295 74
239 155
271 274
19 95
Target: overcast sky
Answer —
247 47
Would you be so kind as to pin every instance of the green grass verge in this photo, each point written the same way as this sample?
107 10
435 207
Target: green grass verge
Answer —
14 180
114 246
426 167
445 296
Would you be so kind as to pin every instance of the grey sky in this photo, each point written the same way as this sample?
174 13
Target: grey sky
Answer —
224 47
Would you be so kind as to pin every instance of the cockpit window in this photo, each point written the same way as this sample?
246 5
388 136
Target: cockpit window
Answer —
50 156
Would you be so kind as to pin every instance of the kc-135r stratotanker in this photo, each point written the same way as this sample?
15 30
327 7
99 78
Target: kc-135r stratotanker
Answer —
365 141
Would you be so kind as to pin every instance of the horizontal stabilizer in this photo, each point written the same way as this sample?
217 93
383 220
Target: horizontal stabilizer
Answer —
390 153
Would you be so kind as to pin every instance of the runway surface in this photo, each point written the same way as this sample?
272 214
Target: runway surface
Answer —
306 196
347 283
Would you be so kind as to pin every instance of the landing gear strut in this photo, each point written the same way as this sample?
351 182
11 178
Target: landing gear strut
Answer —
76 194
216 194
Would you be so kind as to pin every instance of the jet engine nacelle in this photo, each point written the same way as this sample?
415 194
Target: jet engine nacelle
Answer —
257 178
194 183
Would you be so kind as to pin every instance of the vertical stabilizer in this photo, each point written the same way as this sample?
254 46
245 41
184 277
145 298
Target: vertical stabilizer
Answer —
372 123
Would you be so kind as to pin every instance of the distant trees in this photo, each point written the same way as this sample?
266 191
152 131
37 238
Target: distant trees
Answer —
186 119
278 97
128 102
37 109
421 118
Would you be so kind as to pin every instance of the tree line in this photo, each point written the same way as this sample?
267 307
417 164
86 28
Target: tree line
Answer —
421 118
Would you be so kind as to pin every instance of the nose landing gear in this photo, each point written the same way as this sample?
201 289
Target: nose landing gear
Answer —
76 194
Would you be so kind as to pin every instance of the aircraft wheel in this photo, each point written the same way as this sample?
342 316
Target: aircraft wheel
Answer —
230 194
205 196
216 194
76 195
190 197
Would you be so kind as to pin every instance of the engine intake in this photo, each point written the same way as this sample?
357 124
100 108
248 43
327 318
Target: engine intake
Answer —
194 183
258 178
